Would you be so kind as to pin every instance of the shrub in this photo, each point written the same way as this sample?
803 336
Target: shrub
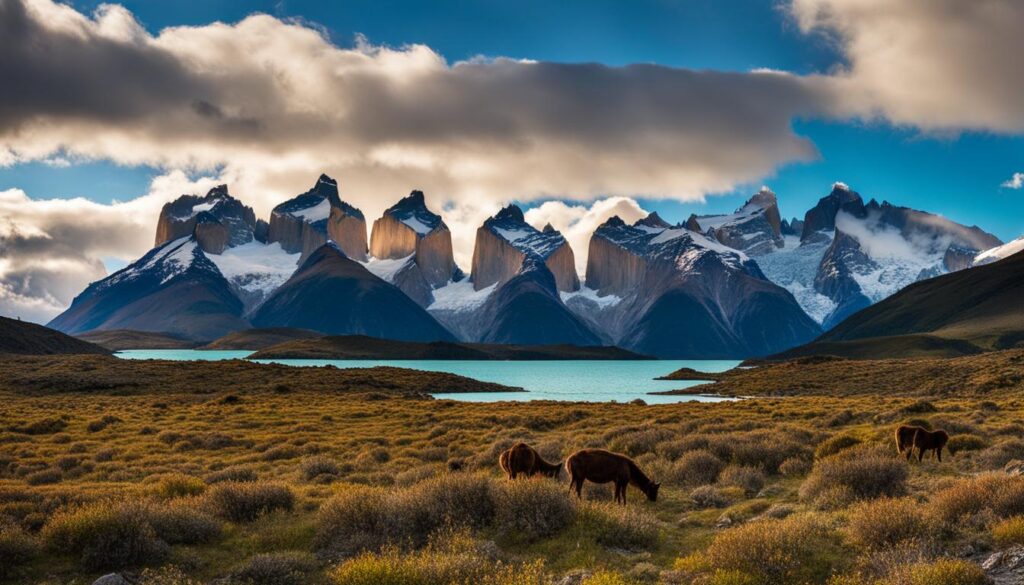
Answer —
965 442
751 480
639 441
605 578
44 477
281 568
456 560
532 509
319 467
99 424
183 522
246 501
998 455
1001 494
178 485
708 496
16 549
361 519
796 549
1009 532
106 535
280 452
697 467
237 473
626 527
835 444
887 522
944 571
45 426
862 472
795 466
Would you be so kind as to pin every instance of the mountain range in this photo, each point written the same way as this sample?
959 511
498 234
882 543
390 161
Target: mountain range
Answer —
738 285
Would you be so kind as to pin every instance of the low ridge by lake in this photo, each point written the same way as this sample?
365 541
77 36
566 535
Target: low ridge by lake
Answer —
568 380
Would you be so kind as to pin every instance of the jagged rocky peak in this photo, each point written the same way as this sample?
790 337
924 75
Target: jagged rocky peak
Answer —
409 228
652 221
822 217
504 241
181 217
305 222
754 228
549 229
792 227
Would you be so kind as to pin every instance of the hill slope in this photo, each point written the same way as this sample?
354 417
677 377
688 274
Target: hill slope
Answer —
336 295
21 337
354 347
965 312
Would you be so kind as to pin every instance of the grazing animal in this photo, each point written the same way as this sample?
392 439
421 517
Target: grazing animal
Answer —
522 459
908 437
600 466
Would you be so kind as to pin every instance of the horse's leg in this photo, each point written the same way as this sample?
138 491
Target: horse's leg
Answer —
938 453
910 452
920 454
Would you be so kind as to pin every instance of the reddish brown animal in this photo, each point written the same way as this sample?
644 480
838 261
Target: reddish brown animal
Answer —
600 466
522 459
909 437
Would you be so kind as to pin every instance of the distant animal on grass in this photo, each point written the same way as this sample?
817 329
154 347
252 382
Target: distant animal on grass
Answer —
522 459
909 437
600 466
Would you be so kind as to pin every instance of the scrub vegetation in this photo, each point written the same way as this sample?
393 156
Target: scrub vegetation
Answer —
181 473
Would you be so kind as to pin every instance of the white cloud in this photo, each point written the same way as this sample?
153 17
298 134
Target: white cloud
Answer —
578 222
1014 182
938 65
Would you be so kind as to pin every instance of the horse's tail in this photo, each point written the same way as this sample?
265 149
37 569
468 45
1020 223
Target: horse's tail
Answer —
899 440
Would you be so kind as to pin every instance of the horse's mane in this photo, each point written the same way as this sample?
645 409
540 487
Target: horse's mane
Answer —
545 466
638 477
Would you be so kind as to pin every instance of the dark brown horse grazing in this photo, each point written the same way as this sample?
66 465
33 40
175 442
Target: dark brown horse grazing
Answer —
524 459
908 437
600 466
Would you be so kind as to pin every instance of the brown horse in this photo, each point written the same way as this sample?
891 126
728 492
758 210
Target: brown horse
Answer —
909 437
524 459
600 466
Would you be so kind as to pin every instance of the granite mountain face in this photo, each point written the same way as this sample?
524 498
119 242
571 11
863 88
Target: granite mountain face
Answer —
735 285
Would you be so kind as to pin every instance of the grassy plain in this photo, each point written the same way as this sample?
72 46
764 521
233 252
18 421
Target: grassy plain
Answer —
193 472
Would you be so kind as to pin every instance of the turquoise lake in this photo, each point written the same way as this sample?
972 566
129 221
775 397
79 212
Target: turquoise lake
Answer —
569 380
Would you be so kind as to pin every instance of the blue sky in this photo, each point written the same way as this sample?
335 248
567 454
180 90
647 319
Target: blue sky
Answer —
957 176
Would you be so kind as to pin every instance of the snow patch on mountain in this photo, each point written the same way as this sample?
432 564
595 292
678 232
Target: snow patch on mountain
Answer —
591 295
319 212
387 268
999 252
256 268
460 296
899 261
793 267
